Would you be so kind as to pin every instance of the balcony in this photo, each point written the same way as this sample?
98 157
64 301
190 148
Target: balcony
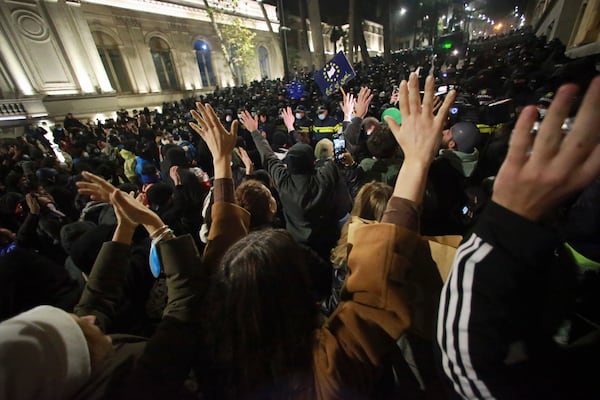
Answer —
16 112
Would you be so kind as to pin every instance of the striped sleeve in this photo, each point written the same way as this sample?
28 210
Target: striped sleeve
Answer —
493 307
454 318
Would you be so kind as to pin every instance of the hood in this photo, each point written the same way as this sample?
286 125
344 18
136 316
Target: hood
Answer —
464 163
126 154
300 159
43 355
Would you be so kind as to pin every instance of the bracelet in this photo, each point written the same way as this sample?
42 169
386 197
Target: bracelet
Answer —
158 231
163 235
154 258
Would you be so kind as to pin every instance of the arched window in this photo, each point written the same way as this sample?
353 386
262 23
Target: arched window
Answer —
163 63
204 63
112 60
263 61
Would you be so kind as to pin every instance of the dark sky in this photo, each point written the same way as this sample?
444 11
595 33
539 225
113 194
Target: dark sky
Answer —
336 11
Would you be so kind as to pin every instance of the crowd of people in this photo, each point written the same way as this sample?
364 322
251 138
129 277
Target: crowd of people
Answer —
431 231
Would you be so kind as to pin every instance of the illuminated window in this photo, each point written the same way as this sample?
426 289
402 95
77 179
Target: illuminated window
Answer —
163 63
263 60
204 63
111 57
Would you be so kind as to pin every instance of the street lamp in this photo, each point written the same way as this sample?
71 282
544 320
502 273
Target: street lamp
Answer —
402 11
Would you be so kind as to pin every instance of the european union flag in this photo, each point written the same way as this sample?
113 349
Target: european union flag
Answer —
334 74
295 90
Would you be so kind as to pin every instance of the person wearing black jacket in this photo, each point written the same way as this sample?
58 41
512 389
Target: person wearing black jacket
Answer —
507 294
307 195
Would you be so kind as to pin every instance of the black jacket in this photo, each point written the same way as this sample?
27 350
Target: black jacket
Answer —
308 199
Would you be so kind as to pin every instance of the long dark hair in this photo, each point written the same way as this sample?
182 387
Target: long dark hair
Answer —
263 320
369 204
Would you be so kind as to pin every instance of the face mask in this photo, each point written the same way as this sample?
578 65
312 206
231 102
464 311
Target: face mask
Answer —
228 118
239 116
542 112
321 117
298 116
253 114
369 131
164 141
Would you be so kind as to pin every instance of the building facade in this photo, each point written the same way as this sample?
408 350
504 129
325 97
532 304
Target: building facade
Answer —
94 57
574 22
296 41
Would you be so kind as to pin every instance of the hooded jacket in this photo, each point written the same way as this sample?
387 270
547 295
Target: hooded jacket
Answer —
306 194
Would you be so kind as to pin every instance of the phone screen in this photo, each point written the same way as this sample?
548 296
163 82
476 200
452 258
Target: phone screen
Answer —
339 146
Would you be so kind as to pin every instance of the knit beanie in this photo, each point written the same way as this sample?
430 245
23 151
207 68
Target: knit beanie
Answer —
43 355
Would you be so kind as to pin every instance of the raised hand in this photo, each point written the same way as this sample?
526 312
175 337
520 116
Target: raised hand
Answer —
209 127
421 131
539 173
288 118
124 221
248 164
419 135
97 188
249 122
394 97
133 211
347 105
362 102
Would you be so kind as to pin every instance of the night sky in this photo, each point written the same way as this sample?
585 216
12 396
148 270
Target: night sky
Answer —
336 11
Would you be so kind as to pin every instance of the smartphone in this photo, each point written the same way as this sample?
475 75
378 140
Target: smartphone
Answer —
339 147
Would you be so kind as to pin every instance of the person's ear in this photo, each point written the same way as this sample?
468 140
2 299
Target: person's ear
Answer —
272 206
91 319
452 144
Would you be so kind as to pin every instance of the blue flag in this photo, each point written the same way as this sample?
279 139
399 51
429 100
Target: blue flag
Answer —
295 90
334 74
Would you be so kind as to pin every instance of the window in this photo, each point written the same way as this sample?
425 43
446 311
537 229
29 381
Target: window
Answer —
263 61
111 57
163 63
204 63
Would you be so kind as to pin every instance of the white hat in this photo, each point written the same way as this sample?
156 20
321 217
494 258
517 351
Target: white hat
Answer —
43 355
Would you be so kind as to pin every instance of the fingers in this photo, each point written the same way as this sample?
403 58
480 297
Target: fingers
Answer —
96 179
521 139
428 96
590 169
205 116
550 136
442 114
414 96
393 125
403 98
234 128
585 133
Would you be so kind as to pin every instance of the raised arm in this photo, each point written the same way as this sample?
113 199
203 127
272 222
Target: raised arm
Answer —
494 336
229 222
358 106
391 271
272 164
104 290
